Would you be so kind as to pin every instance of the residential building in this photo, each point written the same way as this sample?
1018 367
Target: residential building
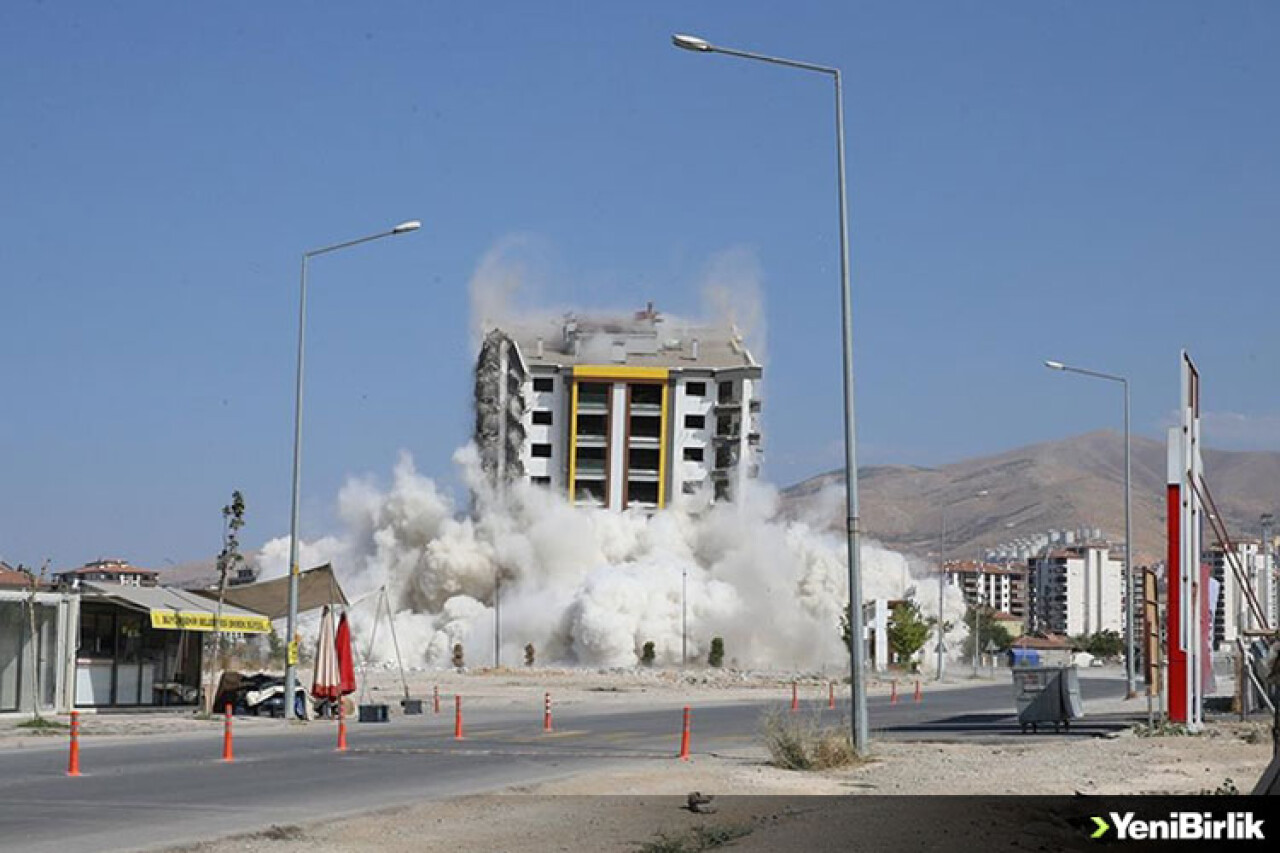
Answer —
107 571
1231 609
992 586
619 412
1077 590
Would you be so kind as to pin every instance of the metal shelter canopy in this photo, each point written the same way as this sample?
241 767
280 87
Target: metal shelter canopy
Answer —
181 610
316 588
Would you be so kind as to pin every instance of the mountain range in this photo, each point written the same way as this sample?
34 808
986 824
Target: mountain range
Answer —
1056 485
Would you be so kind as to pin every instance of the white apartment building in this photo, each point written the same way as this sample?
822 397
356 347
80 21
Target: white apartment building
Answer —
1078 590
990 585
619 412
1231 610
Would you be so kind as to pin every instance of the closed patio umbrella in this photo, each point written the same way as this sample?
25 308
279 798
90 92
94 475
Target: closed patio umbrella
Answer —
346 660
326 684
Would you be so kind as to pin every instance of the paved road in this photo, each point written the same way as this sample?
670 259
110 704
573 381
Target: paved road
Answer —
146 792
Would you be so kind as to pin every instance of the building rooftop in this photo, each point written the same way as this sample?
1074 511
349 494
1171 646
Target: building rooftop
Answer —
120 567
11 577
645 339
973 567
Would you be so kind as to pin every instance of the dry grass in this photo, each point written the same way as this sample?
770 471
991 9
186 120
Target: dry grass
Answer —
802 742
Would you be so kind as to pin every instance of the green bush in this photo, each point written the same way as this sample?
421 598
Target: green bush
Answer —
647 654
716 657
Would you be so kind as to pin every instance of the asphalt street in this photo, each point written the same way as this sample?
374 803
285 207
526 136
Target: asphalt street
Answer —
141 792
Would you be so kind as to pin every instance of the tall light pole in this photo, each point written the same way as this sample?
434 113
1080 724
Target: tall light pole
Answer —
291 649
1128 521
858 710
942 576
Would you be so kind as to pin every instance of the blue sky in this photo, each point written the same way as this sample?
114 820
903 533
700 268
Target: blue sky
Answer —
1097 183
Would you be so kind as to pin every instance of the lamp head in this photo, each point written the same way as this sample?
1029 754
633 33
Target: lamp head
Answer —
1055 365
691 43
406 227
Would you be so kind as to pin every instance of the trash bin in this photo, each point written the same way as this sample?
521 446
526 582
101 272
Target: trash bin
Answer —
1047 695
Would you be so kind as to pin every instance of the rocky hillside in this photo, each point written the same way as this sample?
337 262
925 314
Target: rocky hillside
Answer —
1076 482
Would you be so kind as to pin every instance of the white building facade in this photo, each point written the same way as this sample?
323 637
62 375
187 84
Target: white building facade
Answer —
620 413
1232 614
1078 590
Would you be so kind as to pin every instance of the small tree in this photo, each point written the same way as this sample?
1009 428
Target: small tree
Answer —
1103 644
529 653
908 631
716 656
647 654
458 660
983 628
228 559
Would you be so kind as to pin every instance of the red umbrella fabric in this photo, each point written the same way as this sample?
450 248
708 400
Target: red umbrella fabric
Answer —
325 683
346 660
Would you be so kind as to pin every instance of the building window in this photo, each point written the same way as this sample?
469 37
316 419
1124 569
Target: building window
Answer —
695 389
689 487
541 481
643 459
544 383
646 395
542 418
725 392
642 493
693 454
542 451
695 421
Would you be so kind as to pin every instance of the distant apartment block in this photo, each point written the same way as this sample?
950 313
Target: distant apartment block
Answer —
992 586
619 412
107 571
1077 590
1231 610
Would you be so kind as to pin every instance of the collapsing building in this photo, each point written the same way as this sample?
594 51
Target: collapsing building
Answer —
619 412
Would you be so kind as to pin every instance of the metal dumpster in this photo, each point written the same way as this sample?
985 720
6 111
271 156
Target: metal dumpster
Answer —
1047 694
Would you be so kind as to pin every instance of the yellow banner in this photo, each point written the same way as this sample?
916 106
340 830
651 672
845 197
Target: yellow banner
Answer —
179 620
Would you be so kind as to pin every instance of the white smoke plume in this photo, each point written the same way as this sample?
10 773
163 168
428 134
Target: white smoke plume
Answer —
732 296
590 586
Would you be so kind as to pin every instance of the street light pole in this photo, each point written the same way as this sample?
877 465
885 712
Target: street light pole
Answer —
684 616
853 530
942 575
1128 521
291 648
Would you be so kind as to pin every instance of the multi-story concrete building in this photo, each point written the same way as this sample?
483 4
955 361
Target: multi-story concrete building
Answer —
1077 590
1231 610
990 585
619 412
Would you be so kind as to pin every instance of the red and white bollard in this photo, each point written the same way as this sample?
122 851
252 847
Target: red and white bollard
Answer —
457 717
684 736
795 697
228 753
919 697
546 712
831 695
893 692
73 763
342 728
435 698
